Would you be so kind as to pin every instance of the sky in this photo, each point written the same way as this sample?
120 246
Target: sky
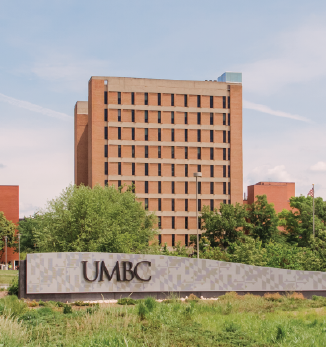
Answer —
49 50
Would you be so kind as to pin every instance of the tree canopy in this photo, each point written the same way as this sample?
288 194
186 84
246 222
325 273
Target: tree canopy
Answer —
7 228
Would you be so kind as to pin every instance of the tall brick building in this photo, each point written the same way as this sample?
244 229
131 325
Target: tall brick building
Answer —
157 134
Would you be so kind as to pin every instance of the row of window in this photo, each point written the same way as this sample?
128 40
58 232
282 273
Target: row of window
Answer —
159 117
159 100
159 135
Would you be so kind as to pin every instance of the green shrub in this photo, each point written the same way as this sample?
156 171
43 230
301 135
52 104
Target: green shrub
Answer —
14 287
192 297
67 309
11 306
60 304
150 303
41 303
81 303
142 310
127 301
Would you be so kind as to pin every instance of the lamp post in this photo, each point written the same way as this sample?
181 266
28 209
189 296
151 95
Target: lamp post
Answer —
6 252
197 174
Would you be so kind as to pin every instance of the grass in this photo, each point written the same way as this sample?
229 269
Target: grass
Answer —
233 320
6 276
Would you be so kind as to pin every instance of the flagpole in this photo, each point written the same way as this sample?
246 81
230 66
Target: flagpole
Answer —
313 209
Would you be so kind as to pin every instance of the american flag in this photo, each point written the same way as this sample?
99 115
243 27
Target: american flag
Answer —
311 192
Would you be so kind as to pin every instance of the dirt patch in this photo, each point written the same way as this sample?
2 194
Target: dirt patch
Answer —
3 294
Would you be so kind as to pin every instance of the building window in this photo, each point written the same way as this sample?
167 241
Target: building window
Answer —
186 170
172 152
119 184
146 134
146 151
146 203
224 153
198 168
211 102
211 153
229 119
186 117
172 99
106 182
224 170
211 135
159 99
146 116
198 100
212 205
224 118
105 98
106 168
229 153
199 187
132 133
173 237
159 154
186 100
173 225
132 98
119 98
172 187
133 187
198 135
146 187
146 169
186 237
133 151
229 202
172 204
133 116
119 133
199 204
224 101
186 205
229 188
119 115
159 117
212 170
186 222
211 119
133 167
159 169
186 152
119 168
186 135
159 204
211 188
158 134
106 115
172 117
198 118
172 134
229 171
105 151
119 151
229 104
186 187
224 187
224 202
172 170
229 137
159 236
198 153
105 133
224 136
159 187
146 98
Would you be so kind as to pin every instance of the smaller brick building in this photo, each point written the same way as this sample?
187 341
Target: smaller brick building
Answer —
9 205
278 193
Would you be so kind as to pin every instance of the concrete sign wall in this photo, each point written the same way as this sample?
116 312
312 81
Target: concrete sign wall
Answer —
108 272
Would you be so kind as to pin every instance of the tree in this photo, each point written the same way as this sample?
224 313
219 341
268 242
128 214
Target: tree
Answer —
263 220
224 226
7 228
82 219
297 223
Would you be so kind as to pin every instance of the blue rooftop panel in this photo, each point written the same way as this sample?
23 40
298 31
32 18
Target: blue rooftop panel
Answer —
232 77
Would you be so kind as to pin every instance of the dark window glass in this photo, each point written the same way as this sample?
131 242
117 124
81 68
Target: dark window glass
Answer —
186 117
172 152
172 188
186 100
172 204
119 98
198 168
224 170
186 170
224 201
106 115
224 101
186 152
105 98
146 204
159 169
211 119
198 118
199 204
146 169
229 171
106 168
229 119
224 118
211 153
132 98
224 187
173 238
172 99
160 227
186 204
224 153
159 117
119 133
105 133
146 151
159 187
198 100
146 134
158 134
133 187
133 167
229 187
229 153
133 151
172 134
119 115
105 151
119 168
146 186
119 184
212 205
119 151
159 152
106 182
159 202
186 135
229 137
211 135
199 187
173 226
146 98
146 116
133 115
211 188
172 170
212 170
132 133
159 236
198 135
186 187
186 236
172 117
229 102
159 99
211 102
198 153
224 136
186 227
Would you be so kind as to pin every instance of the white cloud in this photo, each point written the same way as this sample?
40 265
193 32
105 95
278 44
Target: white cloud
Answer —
35 108
320 166
270 174
2 166
265 109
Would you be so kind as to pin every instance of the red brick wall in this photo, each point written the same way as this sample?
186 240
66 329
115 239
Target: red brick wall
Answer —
81 148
